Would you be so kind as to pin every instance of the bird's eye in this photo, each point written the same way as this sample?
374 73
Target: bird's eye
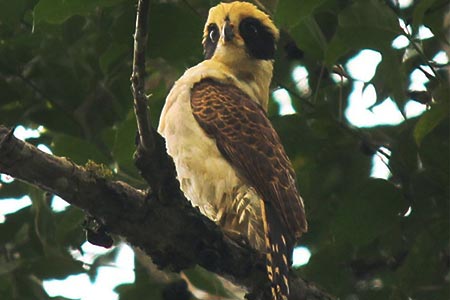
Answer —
259 39
253 29
210 42
214 34
250 27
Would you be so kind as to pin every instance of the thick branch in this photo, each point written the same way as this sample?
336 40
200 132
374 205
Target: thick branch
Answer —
175 236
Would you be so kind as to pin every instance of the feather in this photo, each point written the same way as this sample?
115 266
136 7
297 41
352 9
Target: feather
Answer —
247 140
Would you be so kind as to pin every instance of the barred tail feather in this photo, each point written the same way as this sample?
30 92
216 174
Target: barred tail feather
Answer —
277 255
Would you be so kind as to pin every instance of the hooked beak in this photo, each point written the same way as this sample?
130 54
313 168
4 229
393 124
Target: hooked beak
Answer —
227 31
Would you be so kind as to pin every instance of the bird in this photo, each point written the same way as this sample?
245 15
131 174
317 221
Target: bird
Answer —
229 160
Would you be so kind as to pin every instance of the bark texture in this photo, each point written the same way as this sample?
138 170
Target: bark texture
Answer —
172 232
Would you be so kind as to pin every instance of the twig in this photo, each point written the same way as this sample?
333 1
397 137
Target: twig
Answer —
417 48
192 8
339 70
421 54
355 132
138 75
151 158
294 93
316 92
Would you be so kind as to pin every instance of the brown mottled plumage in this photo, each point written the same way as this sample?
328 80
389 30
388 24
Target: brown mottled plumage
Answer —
229 159
246 139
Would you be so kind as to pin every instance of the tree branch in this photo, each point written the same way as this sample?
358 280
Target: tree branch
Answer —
138 76
174 236
151 159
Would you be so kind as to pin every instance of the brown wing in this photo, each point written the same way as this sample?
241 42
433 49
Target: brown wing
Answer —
246 138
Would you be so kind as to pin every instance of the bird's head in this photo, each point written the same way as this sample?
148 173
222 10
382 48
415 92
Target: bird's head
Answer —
238 32
243 38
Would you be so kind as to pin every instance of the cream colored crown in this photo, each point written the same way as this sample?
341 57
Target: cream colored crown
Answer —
236 12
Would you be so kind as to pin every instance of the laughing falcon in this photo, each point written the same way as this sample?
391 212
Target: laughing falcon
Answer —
229 159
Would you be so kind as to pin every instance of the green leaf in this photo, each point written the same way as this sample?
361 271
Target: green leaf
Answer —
9 266
434 18
12 11
424 265
100 261
268 5
363 25
371 209
144 287
308 35
419 11
368 24
69 232
434 156
52 118
326 265
43 219
59 266
291 13
167 24
58 11
404 155
16 227
390 79
336 48
429 120
441 93
124 144
15 189
112 56
7 286
431 198
151 291
79 150
206 281
26 287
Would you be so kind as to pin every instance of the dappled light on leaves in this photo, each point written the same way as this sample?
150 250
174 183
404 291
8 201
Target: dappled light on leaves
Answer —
301 256
380 164
363 65
283 99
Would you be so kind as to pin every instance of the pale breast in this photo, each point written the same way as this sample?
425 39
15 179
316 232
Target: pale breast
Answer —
206 178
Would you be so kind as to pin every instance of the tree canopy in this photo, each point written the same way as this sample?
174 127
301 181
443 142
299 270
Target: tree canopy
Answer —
65 68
